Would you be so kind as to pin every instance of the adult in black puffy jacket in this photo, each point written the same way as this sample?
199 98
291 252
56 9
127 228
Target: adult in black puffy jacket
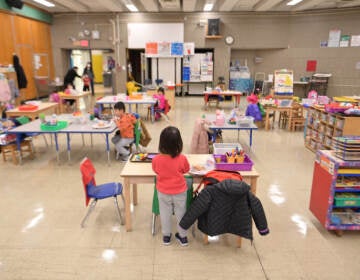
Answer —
226 207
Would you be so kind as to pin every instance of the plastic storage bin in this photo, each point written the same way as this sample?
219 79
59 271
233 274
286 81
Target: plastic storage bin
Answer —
222 148
347 199
48 127
223 165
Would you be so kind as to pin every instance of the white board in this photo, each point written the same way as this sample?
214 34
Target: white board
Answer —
141 33
167 69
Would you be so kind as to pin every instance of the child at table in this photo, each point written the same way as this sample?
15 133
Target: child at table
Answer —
170 166
125 123
161 103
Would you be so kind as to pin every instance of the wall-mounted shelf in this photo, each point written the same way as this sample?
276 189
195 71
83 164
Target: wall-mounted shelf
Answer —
213 36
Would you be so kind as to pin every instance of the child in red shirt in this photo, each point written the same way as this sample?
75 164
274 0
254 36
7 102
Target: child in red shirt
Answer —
86 81
170 166
125 123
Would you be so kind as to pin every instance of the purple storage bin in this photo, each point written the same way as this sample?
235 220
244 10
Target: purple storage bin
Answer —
223 165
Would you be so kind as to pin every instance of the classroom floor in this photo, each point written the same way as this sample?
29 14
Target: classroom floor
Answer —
42 206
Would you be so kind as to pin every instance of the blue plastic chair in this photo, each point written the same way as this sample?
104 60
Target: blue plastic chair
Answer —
97 192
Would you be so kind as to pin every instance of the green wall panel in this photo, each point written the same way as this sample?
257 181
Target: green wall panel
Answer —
28 11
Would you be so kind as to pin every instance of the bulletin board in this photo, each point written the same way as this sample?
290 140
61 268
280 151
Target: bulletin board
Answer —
198 68
284 82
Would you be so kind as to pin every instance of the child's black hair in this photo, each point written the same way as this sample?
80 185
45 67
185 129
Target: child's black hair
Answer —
119 106
161 89
170 141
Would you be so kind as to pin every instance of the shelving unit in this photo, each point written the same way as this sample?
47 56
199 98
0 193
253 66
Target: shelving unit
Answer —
319 83
322 126
332 178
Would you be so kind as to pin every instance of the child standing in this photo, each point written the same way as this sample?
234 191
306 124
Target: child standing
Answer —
86 81
170 166
125 123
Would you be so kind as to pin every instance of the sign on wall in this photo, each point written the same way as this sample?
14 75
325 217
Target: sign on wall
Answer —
283 82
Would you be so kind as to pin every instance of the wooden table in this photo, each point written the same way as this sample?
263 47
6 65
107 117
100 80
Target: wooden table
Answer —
274 109
237 95
142 173
43 107
74 97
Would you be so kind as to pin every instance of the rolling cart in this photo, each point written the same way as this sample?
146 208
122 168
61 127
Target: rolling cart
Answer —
319 83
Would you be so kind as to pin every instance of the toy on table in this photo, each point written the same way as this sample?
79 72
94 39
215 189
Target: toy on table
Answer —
141 156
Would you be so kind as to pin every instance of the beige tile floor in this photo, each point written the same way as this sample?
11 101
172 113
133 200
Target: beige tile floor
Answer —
43 203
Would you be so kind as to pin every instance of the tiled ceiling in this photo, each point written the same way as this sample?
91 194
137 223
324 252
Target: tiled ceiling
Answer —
89 6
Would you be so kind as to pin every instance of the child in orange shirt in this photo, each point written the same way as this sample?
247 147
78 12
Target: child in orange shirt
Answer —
125 123
170 166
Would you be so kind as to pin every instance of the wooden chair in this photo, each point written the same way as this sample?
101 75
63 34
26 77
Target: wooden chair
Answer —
297 117
11 149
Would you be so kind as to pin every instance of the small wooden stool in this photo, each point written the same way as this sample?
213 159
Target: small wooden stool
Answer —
11 149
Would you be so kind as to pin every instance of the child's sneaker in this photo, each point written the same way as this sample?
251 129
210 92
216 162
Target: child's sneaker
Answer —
167 239
183 240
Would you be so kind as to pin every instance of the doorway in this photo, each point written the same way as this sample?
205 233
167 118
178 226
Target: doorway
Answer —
99 59
139 66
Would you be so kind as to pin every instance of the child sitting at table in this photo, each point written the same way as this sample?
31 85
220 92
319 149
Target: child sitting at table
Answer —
162 105
253 109
125 136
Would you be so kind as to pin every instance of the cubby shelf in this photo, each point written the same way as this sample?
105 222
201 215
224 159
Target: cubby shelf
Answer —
322 126
329 173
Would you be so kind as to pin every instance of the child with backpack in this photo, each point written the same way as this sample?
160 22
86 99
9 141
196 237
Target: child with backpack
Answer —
170 166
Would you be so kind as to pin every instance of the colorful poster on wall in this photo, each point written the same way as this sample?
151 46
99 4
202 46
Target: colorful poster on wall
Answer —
177 49
323 44
344 41
283 82
151 49
334 38
311 66
189 48
355 41
164 49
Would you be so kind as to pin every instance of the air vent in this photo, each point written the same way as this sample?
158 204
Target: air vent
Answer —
170 4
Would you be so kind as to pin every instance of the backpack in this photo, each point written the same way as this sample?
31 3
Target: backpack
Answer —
217 176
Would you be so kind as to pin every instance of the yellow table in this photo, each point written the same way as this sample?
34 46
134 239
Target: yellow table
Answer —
74 97
42 108
142 173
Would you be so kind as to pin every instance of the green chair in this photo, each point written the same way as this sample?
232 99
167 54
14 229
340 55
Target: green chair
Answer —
155 204
137 134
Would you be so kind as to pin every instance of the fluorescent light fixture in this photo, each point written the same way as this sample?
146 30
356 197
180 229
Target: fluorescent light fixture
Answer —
132 7
45 3
293 2
208 7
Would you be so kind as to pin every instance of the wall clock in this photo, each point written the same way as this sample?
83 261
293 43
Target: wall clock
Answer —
229 40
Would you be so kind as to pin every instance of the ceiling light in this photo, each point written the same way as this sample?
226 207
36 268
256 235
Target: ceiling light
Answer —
132 7
293 2
45 3
208 7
